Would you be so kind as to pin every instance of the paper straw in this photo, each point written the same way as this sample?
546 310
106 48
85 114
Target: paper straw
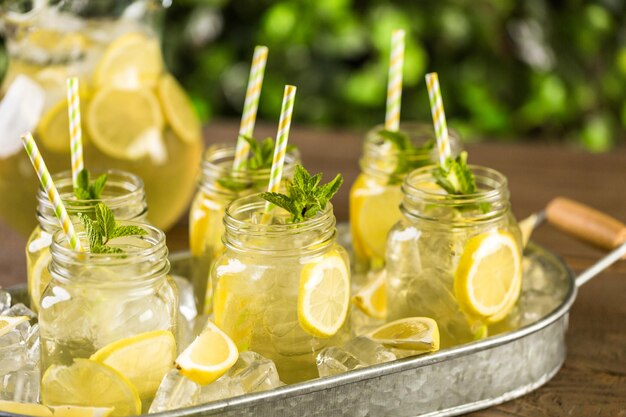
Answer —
394 83
282 136
51 191
250 105
439 117
76 141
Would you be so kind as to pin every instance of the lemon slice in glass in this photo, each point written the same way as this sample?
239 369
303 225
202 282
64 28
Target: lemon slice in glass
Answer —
124 123
131 61
143 359
77 411
26 409
374 209
205 226
372 298
324 295
39 278
8 323
412 333
488 279
208 357
92 384
179 111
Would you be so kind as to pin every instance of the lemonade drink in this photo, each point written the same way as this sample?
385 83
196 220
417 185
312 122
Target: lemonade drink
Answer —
442 240
107 322
135 116
123 194
260 284
218 186
375 196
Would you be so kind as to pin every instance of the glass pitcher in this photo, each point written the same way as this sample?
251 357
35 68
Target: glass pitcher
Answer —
135 116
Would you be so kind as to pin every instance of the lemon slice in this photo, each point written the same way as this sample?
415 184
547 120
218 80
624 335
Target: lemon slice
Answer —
144 359
208 357
412 333
39 278
124 123
324 295
8 323
205 225
54 128
131 61
89 383
374 209
27 409
178 109
372 298
488 279
76 411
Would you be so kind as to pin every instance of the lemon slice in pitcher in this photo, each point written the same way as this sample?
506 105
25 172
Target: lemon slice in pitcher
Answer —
131 61
413 333
123 123
208 357
324 295
488 279
26 409
178 109
89 383
144 359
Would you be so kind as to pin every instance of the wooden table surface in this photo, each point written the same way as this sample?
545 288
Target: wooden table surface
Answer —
592 381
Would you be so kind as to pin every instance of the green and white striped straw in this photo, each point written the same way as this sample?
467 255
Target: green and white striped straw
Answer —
439 117
394 82
280 149
76 136
51 190
250 105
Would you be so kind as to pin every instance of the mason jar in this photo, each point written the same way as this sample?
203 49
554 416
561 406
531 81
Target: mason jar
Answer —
424 248
123 194
375 196
96 303
259 278
219 185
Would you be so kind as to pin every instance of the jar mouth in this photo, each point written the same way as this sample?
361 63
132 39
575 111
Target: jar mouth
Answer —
122 189
217 164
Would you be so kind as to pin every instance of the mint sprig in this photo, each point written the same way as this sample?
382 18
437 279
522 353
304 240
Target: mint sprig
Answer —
409 157
104 228
305 196
87 190
456 177
260 157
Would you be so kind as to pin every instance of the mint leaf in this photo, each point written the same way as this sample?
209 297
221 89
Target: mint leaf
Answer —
104 217
104 228
85 190
456 177
121 231
409 157
305 196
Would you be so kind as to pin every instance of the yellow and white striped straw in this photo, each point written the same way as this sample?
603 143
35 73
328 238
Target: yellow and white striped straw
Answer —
51 190
394 83
76 136
439 117
250 105
282 136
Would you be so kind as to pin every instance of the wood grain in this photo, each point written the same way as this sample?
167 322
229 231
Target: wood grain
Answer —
593 380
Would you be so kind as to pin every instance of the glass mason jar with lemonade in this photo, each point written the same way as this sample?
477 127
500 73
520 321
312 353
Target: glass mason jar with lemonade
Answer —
135 115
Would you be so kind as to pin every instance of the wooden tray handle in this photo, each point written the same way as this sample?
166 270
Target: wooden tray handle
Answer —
585 223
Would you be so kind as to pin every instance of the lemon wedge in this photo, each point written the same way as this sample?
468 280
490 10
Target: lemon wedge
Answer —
143 359
27 409
208 357
131 61
412 333
488 279
324 295
372 298
76 411
178 109
89 383
8 323
374 209
124 124
39 278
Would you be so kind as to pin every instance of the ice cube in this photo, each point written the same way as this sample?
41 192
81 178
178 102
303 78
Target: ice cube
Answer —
254 372
33 345
19 310
334 360
186 301
361 323
12 352
224 387
20 111
21 385
368 351
175 391
5 299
